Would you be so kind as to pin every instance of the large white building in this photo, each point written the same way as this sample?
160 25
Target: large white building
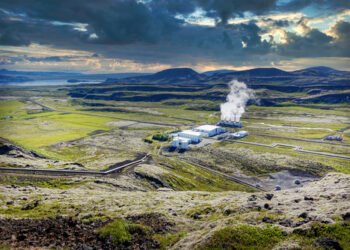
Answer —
194 136
209 130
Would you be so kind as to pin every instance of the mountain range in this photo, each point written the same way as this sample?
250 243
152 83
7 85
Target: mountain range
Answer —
188 75
180 75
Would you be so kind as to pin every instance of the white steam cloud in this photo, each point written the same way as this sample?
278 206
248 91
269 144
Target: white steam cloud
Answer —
236 100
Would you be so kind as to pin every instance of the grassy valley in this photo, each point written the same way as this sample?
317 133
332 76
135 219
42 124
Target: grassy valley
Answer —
209 197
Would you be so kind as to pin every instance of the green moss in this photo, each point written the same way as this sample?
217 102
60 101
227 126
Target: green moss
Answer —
339 232
117 230
5 247
168 240
271 215
245 237
43 210
40 181
121 231
204 211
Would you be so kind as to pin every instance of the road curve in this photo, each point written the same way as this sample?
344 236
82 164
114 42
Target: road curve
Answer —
230 177
67 172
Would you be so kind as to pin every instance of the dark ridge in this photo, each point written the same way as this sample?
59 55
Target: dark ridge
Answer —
261 72
175 72
321 71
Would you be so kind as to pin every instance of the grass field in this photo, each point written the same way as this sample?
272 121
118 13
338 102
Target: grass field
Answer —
34 131
12 108
62 119
342 165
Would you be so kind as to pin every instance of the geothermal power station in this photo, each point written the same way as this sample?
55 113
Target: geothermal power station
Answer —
231 113
183 139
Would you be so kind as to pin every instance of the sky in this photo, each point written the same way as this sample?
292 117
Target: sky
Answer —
151 35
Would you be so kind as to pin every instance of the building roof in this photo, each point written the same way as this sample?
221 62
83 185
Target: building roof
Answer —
190 132
182 139
207 128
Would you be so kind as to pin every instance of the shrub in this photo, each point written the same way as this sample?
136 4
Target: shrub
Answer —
160 137
339 232
116 230
148 140
121 231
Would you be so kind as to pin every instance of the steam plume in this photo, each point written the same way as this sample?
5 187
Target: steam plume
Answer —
236 100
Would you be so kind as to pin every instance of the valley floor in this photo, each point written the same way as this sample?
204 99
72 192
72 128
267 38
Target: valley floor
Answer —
205 198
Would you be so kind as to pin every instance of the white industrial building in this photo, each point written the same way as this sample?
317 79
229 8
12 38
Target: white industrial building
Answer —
180 142
210 130
194 136
182 139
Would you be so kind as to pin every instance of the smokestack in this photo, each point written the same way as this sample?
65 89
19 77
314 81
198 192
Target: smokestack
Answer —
234 107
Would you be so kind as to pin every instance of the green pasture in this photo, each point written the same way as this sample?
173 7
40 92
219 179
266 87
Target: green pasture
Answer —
342 165
43 129
335 148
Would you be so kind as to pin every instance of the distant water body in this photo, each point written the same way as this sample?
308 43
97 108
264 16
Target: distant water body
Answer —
56 82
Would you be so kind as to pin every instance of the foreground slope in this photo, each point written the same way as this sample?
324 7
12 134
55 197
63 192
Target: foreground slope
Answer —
91 211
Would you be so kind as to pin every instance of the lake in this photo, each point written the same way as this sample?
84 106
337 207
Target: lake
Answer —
50 82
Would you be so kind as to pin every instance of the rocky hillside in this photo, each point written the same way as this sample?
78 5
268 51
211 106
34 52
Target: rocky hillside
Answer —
91 213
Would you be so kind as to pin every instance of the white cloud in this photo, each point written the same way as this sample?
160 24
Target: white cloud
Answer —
93 36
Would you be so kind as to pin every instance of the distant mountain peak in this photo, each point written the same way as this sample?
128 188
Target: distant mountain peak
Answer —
175 75
261 72
321 71
176 72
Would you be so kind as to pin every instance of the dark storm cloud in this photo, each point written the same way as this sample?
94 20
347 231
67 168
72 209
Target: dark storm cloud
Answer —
127 22
156 31
19 31
318 44
10 38
324 5
342 31
22 34
184 7
225 9
9 34
313 44
278 23
86 11
252 38
119 21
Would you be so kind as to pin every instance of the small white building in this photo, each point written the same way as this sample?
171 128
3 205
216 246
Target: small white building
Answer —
180 142
194 136
210 130
240 134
